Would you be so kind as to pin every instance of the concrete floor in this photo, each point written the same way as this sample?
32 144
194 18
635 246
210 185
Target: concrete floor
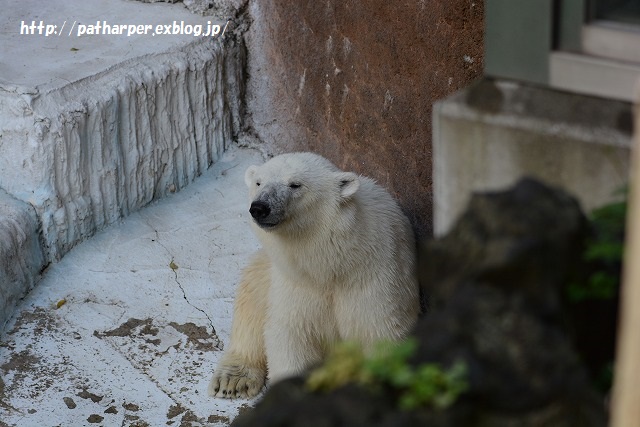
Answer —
127 328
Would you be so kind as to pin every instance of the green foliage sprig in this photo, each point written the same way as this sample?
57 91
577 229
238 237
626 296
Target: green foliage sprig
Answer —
603 254
420 386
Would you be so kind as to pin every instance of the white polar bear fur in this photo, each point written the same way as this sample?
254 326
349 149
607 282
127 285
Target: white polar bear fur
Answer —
337 263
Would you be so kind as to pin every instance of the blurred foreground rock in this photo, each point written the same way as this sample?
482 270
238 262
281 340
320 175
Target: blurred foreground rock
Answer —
494 287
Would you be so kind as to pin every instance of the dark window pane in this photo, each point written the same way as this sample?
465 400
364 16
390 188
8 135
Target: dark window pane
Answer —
627 11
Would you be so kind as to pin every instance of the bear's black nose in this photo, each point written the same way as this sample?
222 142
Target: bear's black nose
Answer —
259 210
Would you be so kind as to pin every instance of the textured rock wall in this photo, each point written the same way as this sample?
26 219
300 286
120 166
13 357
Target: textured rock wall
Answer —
21 256
93 151
355 81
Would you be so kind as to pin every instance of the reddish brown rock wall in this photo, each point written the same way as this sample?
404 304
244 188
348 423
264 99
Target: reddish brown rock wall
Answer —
354 80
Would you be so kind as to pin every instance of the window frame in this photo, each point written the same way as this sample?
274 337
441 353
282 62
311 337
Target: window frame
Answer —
553 43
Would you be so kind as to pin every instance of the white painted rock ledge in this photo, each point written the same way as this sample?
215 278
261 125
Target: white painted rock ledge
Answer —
93 128
127 328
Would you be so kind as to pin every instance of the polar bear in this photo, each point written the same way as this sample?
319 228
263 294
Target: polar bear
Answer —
337 263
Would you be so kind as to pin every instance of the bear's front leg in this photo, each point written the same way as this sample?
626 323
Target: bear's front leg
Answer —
242 371
300 327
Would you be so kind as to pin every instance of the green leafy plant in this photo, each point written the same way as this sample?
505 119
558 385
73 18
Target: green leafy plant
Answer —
603 254
593 292
416 386
342 366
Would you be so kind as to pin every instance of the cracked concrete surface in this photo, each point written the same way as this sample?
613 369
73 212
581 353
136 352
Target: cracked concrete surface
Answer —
126 330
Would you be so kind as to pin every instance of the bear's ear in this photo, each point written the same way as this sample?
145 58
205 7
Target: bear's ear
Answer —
249 174
349 184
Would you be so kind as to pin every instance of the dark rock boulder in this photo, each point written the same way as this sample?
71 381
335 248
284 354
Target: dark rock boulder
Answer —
494 287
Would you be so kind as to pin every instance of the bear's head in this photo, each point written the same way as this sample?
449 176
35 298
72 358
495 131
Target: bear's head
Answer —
296 190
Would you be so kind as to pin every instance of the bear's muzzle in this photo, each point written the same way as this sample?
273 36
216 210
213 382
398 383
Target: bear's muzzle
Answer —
259 210
261 213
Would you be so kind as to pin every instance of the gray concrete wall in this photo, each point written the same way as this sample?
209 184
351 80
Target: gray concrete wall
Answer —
492 133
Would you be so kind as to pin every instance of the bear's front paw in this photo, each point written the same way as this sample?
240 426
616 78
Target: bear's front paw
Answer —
233 381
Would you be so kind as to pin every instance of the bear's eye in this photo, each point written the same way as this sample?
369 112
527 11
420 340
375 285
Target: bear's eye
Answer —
295 185
258 183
